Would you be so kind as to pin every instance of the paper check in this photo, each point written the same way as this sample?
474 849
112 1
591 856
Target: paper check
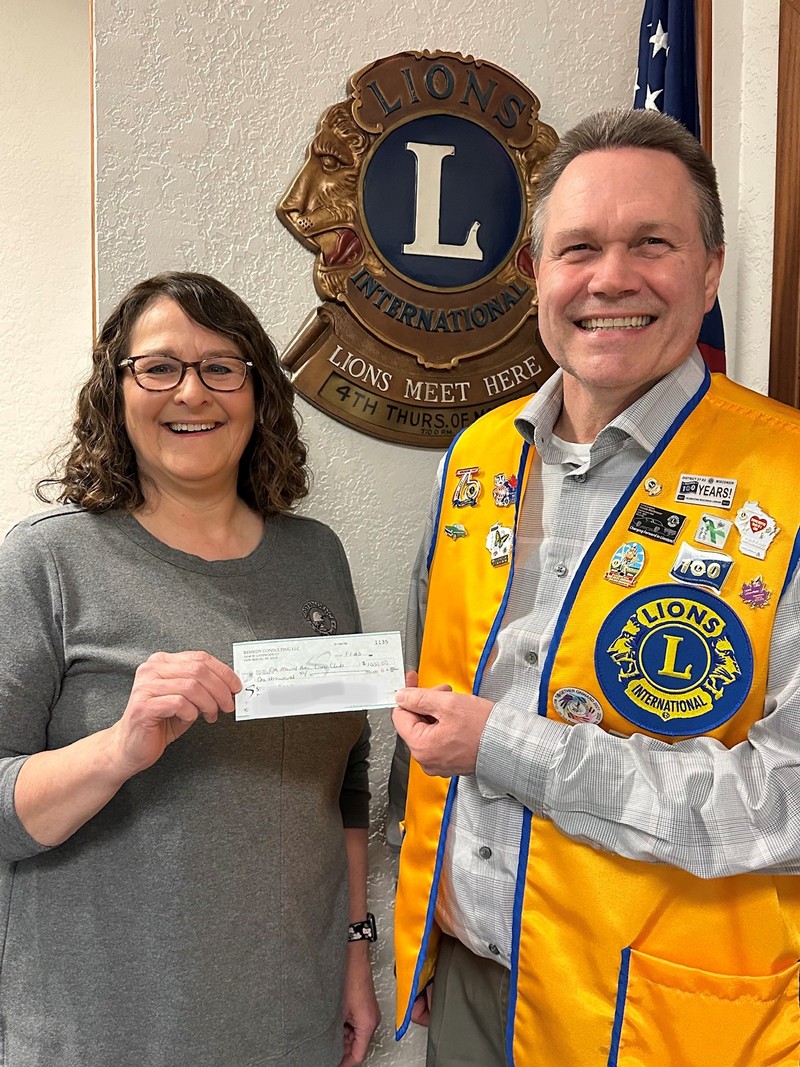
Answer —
314 675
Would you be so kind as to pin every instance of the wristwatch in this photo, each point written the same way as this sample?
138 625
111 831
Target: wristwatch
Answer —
365 930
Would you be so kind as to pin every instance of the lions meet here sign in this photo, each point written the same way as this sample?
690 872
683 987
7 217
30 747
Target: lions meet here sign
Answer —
416 198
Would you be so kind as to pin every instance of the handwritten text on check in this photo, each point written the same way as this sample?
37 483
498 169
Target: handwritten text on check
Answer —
315 675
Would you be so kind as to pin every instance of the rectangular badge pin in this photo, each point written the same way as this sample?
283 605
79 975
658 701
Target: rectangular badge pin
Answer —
317 675
657 523
707 490
693 567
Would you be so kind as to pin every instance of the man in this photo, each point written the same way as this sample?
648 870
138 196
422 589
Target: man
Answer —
600 829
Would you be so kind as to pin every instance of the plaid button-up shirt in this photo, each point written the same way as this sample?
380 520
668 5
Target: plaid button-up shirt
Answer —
693 804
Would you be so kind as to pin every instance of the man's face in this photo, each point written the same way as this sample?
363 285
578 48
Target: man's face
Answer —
624 277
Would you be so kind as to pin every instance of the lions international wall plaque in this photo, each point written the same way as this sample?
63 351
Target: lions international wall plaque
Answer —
416 197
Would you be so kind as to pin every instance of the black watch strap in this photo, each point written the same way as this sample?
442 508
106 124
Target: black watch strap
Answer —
365 930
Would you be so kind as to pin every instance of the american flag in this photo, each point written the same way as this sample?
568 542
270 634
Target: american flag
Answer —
666 80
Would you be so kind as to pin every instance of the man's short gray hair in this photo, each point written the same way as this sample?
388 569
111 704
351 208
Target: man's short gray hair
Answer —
627 128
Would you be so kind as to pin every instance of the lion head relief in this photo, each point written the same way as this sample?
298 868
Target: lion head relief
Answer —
321 206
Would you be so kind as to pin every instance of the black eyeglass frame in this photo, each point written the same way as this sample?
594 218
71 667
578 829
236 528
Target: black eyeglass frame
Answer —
131 362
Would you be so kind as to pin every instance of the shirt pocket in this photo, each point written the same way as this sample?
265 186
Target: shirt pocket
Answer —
681 1016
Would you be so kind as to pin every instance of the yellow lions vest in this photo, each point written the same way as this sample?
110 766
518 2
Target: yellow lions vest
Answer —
665 630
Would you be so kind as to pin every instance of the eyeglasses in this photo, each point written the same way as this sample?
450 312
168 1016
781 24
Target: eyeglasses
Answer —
158 374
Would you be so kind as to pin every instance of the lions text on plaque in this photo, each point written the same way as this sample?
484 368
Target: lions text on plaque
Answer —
416 197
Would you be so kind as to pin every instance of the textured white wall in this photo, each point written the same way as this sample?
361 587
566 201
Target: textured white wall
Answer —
745 115
45 234
204 111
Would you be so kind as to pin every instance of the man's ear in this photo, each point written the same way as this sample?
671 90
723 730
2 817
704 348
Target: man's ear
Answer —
716 261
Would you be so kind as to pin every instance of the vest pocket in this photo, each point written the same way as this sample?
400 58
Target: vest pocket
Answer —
670 1014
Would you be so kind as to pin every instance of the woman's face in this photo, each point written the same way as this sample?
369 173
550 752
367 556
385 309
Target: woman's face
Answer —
187 438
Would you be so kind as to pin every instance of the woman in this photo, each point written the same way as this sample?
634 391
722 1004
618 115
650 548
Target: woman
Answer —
174 891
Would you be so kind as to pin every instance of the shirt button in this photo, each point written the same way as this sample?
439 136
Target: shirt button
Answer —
485 852
581 478
531 657
560 569
495 951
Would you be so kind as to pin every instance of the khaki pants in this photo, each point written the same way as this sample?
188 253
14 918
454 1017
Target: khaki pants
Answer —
469 1010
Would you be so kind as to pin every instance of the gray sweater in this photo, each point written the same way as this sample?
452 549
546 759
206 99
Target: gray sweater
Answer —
199 920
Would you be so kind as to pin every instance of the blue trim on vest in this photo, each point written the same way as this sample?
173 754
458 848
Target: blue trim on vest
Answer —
437 870
794 559
619 1012
591 552
487 648
519 889
516 931
476 685
438 517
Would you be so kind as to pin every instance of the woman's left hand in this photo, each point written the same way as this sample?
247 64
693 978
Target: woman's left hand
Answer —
361 1012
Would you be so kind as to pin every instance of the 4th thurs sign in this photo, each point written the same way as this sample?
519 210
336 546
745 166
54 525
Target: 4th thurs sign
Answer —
416 198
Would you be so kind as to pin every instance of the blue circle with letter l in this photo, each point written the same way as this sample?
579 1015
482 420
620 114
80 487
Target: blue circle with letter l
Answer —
442 201
674 660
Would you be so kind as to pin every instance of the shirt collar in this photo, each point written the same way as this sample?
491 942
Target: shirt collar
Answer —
645 421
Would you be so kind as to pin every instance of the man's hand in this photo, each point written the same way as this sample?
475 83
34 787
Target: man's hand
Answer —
442 729
421 1008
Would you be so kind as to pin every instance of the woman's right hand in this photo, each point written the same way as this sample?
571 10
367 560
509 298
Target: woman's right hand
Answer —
171 690
60 789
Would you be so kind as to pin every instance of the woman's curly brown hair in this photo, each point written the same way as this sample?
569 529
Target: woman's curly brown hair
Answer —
100 472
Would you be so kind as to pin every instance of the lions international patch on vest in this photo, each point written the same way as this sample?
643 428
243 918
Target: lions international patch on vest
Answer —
673 661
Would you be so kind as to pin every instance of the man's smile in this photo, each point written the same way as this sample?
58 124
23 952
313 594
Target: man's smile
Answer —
618 323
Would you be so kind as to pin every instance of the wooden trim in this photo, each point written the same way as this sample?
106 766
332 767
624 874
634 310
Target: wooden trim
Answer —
703 27
784 371
93 165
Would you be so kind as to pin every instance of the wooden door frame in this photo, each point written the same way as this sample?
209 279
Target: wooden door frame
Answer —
784 368
702 18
